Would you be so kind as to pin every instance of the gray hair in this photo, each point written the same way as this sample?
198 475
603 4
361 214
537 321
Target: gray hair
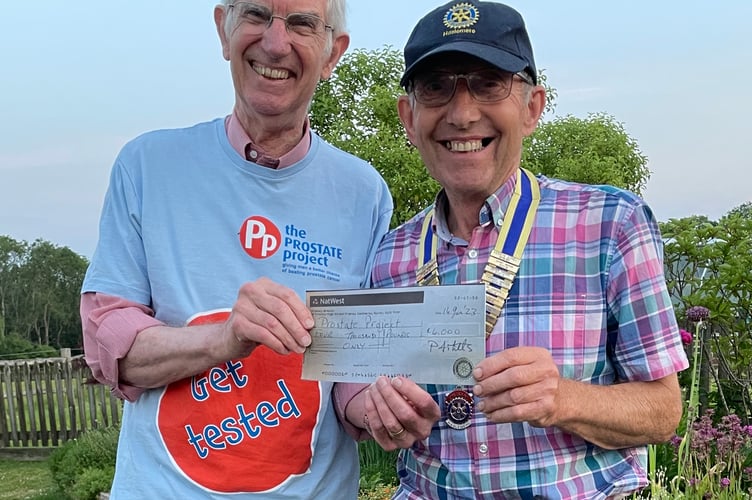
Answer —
336 17
527 92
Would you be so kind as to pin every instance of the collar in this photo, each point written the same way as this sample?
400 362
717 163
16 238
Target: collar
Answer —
246 148
492 210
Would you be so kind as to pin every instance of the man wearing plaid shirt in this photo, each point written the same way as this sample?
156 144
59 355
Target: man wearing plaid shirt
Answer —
580 372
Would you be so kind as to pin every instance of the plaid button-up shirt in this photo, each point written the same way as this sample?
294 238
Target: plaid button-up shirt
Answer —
590 289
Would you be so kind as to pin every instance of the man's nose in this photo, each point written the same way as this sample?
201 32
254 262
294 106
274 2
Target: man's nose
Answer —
276 40
462 109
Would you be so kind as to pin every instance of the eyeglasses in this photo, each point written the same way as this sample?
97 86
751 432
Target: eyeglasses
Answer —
437 88
260 18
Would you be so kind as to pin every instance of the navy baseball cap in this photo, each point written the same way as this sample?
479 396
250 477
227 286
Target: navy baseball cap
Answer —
490 31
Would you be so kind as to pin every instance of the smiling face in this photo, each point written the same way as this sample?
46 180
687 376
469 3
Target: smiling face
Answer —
471 148
274 72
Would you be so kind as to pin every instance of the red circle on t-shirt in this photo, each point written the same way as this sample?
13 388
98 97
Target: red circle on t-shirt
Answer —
244 426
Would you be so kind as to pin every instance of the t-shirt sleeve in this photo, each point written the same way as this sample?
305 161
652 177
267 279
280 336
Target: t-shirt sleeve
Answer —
118 266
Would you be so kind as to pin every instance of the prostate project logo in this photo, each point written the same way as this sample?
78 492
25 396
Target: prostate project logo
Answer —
261 239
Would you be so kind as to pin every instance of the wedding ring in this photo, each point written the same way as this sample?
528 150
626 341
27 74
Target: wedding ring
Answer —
396 435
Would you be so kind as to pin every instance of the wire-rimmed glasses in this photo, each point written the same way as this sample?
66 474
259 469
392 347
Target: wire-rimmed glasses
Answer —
299 25
436 88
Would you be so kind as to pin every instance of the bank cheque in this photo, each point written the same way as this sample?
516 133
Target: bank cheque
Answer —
430 334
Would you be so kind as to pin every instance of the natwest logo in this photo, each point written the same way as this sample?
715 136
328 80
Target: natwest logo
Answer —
260 237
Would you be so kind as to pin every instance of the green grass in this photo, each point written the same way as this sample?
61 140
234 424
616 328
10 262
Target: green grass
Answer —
27 481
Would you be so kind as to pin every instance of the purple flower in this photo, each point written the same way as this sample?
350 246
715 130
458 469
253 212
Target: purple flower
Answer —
676 441
686 337
732 438
725 482
698 313
704 435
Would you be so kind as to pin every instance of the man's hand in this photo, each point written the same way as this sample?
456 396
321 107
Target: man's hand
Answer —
518 384
271 314
398 412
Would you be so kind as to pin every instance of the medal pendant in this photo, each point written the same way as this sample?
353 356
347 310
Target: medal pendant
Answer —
458 406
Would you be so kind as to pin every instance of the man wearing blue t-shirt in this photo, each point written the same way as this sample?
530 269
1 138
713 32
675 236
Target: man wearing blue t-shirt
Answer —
209 237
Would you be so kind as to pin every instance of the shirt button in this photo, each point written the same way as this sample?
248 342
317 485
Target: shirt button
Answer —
253 154
473 254
483 449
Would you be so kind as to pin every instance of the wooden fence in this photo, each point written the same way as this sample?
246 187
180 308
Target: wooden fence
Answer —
45 402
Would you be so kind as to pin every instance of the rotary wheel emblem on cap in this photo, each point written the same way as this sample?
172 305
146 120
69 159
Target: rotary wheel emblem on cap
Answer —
461 15
458 406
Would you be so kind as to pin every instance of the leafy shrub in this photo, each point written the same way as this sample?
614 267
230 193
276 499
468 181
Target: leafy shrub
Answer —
86 463
63 465
91 482
84 467
14 347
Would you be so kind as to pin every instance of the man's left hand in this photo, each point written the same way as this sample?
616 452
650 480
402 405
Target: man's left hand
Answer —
518 384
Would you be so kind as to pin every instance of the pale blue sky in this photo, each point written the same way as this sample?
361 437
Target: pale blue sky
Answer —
81 78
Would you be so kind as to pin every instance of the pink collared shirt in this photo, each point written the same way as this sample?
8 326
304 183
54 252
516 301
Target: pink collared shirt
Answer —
244 145
110 324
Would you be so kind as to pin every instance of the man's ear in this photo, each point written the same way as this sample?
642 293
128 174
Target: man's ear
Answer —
339 46
406 116
534 109
220 12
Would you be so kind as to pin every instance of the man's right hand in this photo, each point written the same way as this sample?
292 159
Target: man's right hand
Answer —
398 412
271 314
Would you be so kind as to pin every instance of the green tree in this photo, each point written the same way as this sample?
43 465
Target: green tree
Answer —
356 110
686 258
551 94
12 254
53 276
730 299
592 150
707 263
744 210
40 284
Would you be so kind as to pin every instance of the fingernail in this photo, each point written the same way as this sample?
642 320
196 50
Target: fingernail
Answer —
397 382
308 324
477 390
306 340
477 373
382 382
481 404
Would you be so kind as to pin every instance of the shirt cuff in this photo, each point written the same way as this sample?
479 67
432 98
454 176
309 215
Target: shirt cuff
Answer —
110 326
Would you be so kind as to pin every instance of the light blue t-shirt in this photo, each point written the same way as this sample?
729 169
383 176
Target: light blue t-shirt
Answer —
186 221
